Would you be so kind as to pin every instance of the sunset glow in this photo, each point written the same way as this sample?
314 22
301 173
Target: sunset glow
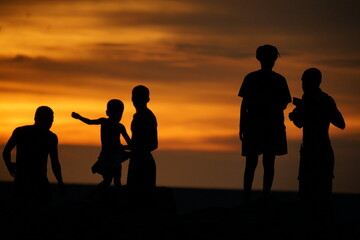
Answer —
193 56
75 56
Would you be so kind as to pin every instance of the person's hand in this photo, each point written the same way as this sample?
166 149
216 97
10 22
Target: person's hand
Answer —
241 134
11 168
75 115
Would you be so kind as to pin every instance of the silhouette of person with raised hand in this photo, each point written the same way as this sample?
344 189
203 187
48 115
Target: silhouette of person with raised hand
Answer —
265 96
112 151
142 167
314 113
34 143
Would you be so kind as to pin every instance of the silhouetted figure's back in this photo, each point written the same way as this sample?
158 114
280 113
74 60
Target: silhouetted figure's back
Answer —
34 143
32 194
33 147
314 113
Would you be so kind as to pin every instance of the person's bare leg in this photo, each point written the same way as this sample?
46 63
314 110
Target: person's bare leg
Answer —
250 166
268 163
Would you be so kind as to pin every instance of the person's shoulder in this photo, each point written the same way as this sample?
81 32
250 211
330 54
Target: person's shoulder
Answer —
279 76
254 74
150 115
103 120
251 78
23 128
326 98
150 112
120 125
53 135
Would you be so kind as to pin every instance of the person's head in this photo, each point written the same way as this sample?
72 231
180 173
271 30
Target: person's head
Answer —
140 96
115 109
311 80
44 117
267 55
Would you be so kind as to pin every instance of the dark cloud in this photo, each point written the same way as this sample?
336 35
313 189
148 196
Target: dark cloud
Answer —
340 63
229 16
228 27
308 26
214 50
147 70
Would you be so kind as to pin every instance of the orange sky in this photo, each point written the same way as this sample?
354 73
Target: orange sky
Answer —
193 55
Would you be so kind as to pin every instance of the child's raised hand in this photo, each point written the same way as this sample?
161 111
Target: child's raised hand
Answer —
75 115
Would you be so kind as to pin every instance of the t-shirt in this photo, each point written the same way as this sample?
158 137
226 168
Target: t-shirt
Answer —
266 95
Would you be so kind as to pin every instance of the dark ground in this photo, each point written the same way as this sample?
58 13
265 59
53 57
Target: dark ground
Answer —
179 213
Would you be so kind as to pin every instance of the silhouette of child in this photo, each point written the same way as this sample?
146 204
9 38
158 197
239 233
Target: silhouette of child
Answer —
314 113
262 131
112 151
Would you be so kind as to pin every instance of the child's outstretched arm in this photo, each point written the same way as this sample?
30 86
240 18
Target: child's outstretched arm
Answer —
86 120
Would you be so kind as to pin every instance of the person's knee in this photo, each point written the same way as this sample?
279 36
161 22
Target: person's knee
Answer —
268 161
251 162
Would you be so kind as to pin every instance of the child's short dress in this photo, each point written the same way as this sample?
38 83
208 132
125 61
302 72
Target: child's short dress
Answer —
110 163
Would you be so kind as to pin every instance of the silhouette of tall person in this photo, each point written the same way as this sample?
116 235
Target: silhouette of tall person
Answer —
314 113
34 143
144 140
265 96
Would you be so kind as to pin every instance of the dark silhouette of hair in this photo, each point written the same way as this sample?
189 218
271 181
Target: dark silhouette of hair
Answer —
115 109
115 104
312 76
267 52
44 116
140 94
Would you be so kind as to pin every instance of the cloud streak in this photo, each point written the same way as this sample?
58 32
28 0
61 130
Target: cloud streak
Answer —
192 54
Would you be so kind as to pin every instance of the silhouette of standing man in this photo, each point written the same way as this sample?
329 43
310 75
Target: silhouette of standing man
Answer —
314 113
262 131
33 145
142 168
